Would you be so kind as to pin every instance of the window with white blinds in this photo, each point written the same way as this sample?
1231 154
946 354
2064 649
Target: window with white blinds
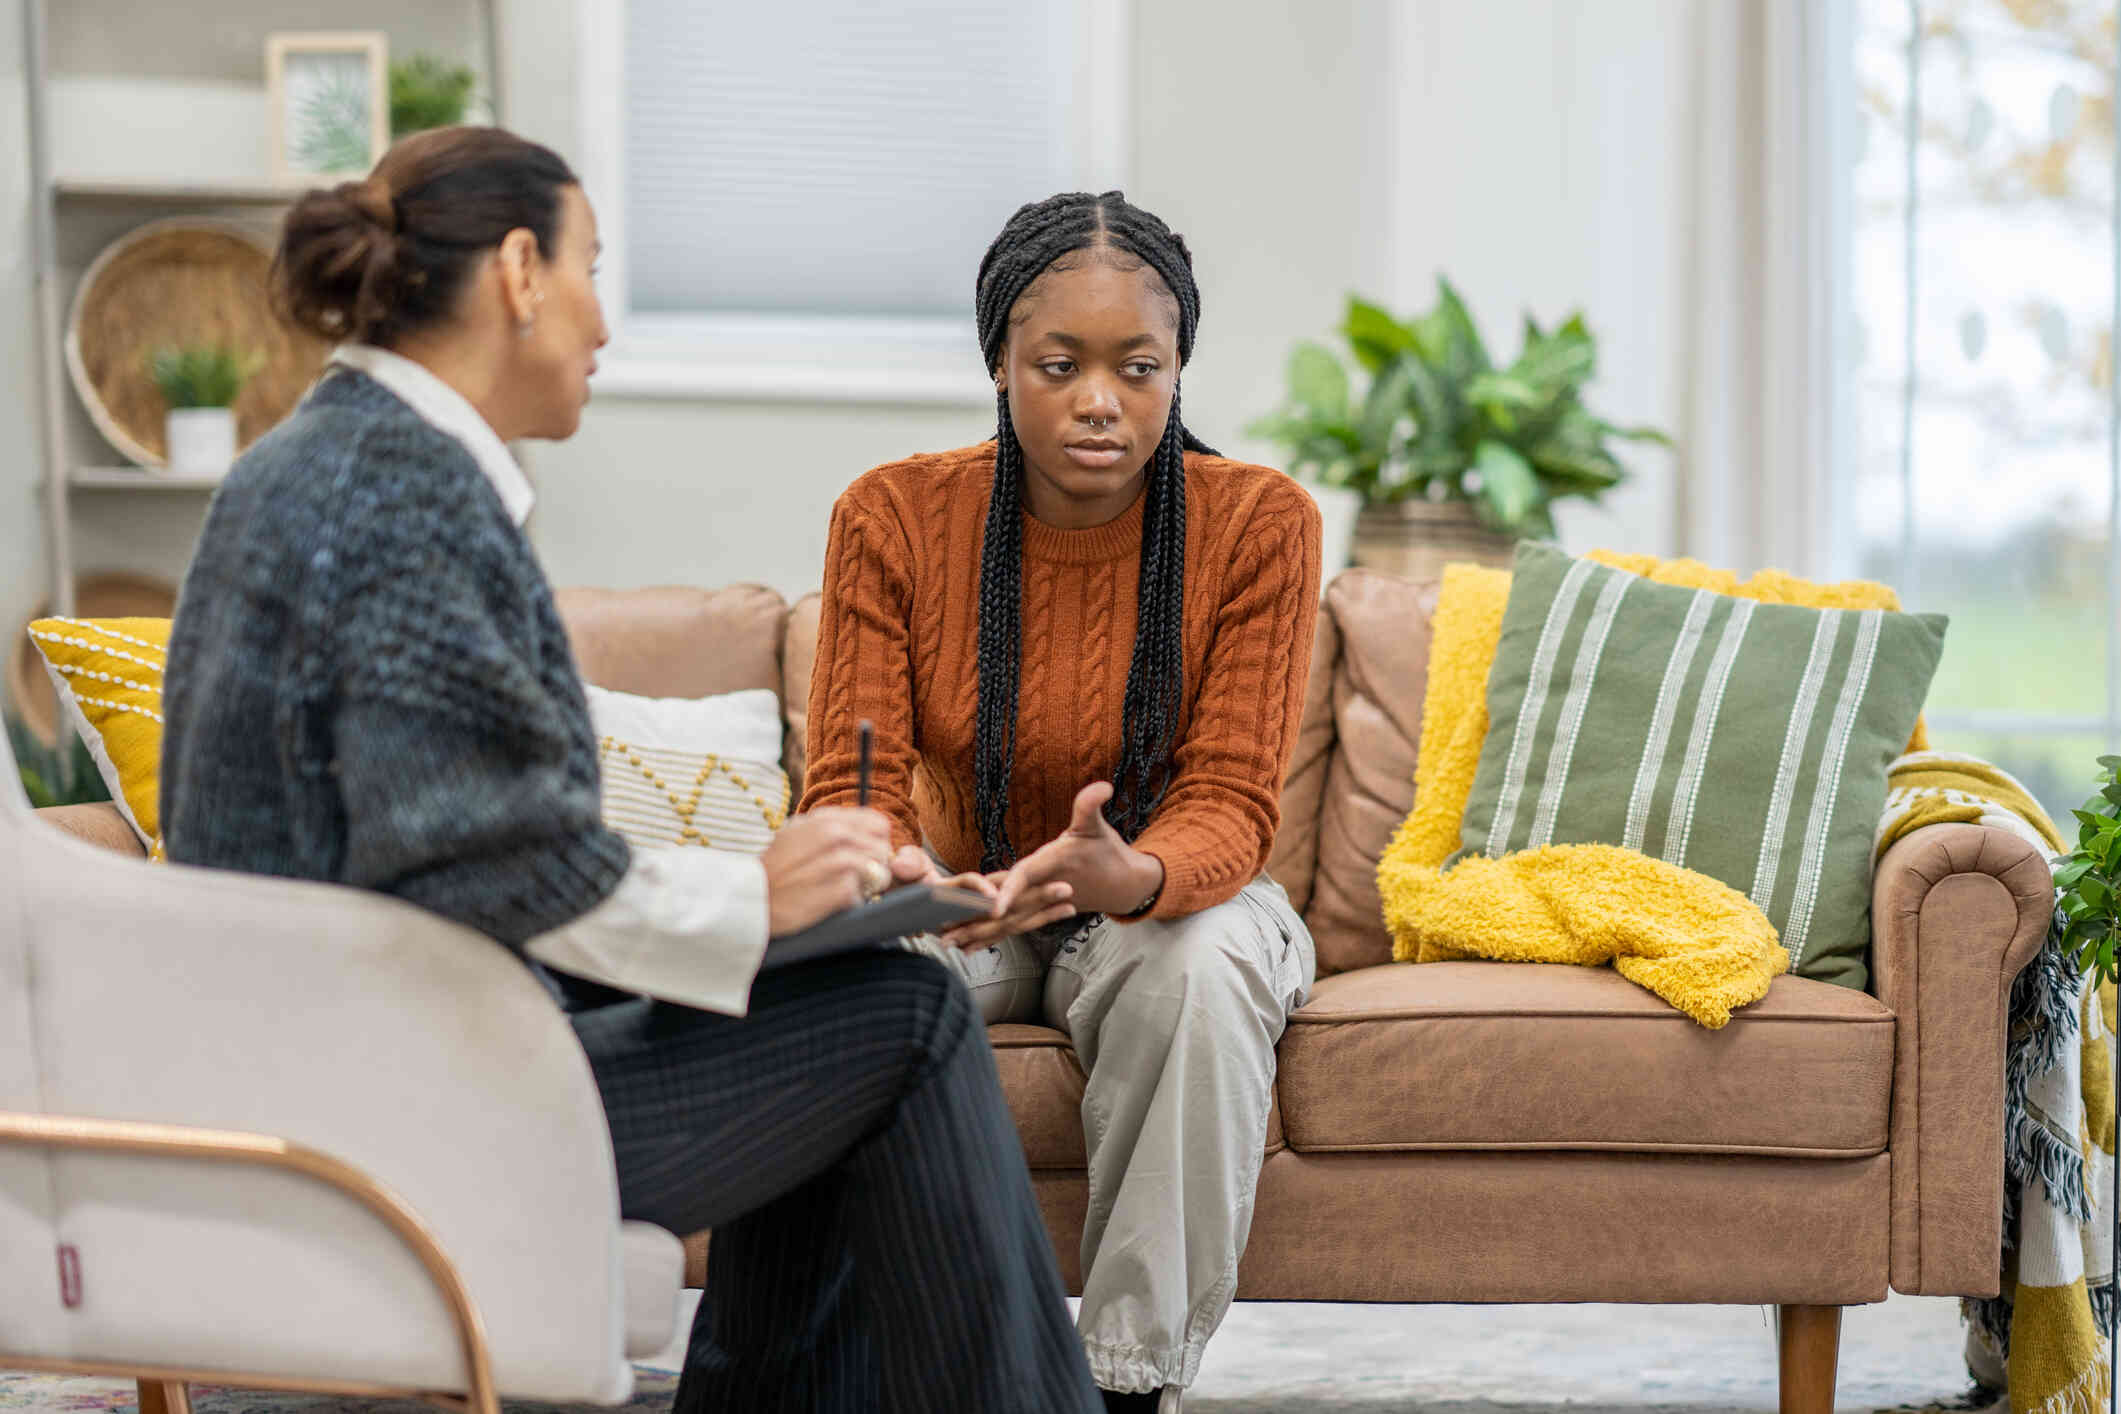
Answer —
835 158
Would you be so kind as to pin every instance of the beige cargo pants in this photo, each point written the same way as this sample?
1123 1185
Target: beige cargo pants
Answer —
1175 1023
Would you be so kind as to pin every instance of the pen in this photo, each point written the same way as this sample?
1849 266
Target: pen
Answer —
865 736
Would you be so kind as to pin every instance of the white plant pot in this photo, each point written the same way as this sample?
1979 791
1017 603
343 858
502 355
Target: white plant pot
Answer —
202 441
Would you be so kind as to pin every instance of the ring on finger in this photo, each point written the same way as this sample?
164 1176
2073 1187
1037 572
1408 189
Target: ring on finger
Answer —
876 877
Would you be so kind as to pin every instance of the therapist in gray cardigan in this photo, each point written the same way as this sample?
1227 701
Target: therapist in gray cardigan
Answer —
369 685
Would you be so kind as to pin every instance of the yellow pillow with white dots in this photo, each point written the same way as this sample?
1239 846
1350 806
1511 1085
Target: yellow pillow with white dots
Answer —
108 675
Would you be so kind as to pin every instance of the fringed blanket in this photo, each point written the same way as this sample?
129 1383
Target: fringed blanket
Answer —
2043 1337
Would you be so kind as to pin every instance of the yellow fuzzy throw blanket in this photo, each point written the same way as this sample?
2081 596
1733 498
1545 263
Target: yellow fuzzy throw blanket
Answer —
1697 943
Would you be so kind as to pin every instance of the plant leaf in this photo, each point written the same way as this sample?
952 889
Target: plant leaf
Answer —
1384 407
41 795
1447 338
1559 362
1576 473
1318 382
1504 389
1438 411
1508 488
1375 336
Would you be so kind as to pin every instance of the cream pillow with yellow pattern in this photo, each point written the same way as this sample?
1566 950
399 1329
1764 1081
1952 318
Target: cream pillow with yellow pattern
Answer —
108 677
702 772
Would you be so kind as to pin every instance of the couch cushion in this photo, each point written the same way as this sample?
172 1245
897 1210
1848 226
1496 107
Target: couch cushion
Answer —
1294 863
1380 677
1044 1083
675 641
1494 1055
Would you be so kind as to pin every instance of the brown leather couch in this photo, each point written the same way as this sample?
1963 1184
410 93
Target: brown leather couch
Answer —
1490 1132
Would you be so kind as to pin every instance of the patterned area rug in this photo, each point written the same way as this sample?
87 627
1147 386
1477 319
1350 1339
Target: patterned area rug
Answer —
65 1394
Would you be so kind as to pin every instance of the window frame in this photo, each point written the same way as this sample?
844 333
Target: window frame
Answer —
843 359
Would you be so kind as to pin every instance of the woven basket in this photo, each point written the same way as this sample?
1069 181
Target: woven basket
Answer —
115 594
174 284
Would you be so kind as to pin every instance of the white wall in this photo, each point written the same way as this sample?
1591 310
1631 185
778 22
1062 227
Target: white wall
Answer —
1250 127
1543 164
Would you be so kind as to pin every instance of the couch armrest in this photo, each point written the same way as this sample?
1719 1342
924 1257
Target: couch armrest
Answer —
99 824
1957 911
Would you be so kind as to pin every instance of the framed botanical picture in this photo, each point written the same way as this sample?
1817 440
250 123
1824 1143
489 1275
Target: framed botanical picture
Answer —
329 95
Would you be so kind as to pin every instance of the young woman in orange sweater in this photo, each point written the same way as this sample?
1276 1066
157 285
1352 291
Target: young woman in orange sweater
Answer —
1084 645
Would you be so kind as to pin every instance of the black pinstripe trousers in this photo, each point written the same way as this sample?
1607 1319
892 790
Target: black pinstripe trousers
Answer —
876 1242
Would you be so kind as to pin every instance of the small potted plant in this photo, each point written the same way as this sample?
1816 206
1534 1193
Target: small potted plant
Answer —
428 92
2088 880
1454 458
2087 919
63 773
200 384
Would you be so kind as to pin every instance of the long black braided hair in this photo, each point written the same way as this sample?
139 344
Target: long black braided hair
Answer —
1036 237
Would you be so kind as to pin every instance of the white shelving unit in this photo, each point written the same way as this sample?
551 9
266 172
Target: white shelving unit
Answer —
137 478
98 204
204 194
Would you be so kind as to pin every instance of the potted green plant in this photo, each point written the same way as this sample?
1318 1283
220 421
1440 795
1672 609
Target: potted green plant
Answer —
200 384
428 92
61 774
1452 457
2088 919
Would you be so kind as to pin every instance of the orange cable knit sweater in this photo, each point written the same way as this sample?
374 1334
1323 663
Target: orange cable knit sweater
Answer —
898 644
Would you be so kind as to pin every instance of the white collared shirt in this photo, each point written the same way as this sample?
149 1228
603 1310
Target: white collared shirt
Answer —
684 925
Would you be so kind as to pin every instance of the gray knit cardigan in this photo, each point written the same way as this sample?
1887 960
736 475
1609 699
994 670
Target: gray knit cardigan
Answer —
368 683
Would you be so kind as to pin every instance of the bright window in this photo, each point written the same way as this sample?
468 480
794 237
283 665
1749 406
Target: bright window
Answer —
1980 471
807 184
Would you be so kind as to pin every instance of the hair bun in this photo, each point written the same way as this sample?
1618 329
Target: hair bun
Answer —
376 257
373 200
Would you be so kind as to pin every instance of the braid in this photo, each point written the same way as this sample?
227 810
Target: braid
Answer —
1033 239
1001 608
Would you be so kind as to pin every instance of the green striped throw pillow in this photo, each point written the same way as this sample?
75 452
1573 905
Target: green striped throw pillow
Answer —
1747 741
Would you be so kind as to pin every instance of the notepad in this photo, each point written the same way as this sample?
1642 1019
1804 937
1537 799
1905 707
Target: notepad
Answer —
879 922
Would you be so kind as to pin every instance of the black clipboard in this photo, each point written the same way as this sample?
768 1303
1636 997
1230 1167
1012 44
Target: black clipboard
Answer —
878 922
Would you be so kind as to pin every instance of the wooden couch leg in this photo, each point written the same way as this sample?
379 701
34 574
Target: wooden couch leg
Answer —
1810 1340
165 1397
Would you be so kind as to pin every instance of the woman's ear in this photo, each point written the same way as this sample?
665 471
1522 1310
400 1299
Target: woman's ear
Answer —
521 266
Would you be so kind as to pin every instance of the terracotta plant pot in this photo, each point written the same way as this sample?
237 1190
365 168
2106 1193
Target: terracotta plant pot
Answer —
1416 539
